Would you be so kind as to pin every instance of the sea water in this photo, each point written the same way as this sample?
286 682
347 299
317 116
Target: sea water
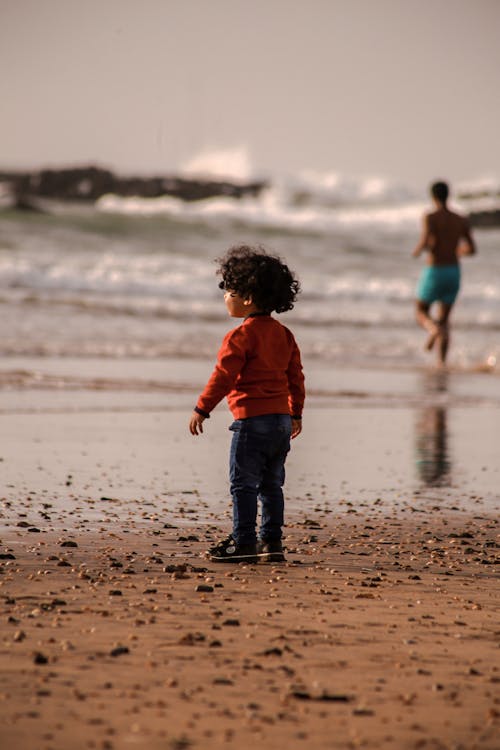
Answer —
120 302
135 278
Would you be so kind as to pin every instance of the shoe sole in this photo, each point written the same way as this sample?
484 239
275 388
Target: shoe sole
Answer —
234 559
272 557
259 557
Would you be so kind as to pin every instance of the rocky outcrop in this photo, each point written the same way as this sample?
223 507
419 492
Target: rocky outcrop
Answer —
482 205
487 218
87 184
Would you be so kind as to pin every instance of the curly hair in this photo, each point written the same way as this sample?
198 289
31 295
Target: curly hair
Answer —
252 273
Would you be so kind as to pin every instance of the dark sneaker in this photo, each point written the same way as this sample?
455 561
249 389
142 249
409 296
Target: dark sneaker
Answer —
270 551
228 551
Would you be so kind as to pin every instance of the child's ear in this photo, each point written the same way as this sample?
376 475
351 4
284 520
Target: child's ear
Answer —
248 301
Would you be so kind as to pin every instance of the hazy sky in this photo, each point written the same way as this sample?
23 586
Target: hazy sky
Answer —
407 89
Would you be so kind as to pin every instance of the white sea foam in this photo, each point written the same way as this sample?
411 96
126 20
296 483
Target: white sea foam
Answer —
333 188
219 164
310 201
487 185
271 211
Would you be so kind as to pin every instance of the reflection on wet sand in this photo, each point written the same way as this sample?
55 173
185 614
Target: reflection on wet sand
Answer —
431 436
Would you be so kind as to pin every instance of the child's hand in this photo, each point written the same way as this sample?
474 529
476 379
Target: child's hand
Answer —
196 423
296 427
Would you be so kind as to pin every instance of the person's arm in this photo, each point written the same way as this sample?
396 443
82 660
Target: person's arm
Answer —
468 246
296 389
230 362
426 239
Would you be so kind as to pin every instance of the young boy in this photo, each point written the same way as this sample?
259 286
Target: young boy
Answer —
442 236
259 370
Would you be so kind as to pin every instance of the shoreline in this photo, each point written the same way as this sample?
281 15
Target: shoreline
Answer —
379 631
71 449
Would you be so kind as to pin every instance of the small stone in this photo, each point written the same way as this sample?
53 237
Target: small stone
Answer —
301 694
335 697
179 568
179 575
362 712
189 639
474 672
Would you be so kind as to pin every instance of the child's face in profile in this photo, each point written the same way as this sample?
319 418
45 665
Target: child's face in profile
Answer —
238 307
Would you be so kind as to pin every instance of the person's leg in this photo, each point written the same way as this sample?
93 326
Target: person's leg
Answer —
448 291
245 474
443 337
423 317
273 503
271 488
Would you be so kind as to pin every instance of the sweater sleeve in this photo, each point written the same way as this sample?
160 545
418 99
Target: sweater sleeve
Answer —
295 383
231 359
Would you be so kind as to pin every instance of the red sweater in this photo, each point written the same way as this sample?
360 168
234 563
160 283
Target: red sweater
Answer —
258 369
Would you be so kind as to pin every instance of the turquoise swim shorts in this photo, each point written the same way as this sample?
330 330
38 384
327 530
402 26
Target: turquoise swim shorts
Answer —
439 284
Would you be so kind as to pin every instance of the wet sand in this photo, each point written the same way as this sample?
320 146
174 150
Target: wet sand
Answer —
380 630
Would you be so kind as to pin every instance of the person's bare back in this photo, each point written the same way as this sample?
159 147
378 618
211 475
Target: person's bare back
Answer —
445 230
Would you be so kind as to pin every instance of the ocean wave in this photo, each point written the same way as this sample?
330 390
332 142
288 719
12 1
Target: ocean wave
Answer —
142 283
39 380
332 189
147 275
310 201
335 300
272 210
381 347
320 313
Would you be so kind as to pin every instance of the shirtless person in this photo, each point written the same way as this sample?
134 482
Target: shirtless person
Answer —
445 237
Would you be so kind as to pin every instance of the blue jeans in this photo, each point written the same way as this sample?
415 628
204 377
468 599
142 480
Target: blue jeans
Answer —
257 471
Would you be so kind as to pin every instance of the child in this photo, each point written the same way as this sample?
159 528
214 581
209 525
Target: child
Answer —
259 370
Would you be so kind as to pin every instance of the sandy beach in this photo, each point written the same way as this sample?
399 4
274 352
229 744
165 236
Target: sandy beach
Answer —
379 631
152 152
